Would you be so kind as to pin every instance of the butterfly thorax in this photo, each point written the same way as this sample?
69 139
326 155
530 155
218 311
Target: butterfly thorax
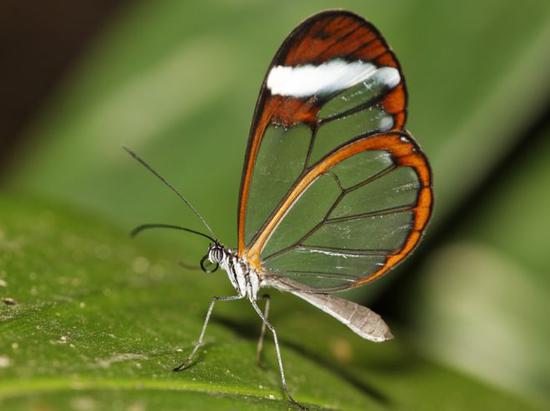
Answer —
242 276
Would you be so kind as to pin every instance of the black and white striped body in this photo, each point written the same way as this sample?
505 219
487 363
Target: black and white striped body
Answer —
244 279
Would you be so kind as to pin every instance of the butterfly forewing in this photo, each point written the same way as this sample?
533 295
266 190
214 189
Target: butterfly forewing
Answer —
314 206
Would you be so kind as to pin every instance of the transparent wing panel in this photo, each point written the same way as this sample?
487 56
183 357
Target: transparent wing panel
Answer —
321 282
316 267
312 208
346 224
279 163
381 232
370 163
394 191
342 129
321 260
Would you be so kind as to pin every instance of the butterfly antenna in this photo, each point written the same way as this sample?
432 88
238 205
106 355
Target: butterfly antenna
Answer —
171 187
143 227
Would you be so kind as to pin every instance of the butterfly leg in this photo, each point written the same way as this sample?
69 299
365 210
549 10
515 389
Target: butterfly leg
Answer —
198 344
260 346
278 352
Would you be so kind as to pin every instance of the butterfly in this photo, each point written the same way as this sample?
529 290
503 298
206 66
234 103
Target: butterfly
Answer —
334 191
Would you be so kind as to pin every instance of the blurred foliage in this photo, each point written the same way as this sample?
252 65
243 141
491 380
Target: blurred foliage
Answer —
99 323
491 283
183 92
177 82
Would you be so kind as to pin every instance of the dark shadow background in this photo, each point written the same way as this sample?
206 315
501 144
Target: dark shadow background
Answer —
39 43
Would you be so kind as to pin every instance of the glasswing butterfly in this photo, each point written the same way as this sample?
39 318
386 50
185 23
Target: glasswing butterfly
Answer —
334 191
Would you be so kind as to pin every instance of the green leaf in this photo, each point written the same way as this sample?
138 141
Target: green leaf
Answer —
99 321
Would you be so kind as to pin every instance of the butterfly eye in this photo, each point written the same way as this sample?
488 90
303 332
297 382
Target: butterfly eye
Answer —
207 266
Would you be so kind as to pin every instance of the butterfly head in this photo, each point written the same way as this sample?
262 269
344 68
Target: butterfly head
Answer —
211 261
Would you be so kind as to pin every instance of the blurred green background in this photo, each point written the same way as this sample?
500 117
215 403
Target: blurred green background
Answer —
177 82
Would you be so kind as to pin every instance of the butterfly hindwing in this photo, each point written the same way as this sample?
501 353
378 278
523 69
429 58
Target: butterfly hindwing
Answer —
344 224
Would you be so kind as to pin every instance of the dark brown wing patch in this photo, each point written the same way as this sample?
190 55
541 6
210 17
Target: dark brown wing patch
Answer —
330 35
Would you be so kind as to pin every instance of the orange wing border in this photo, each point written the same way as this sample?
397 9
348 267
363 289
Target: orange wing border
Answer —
321 37
405 152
